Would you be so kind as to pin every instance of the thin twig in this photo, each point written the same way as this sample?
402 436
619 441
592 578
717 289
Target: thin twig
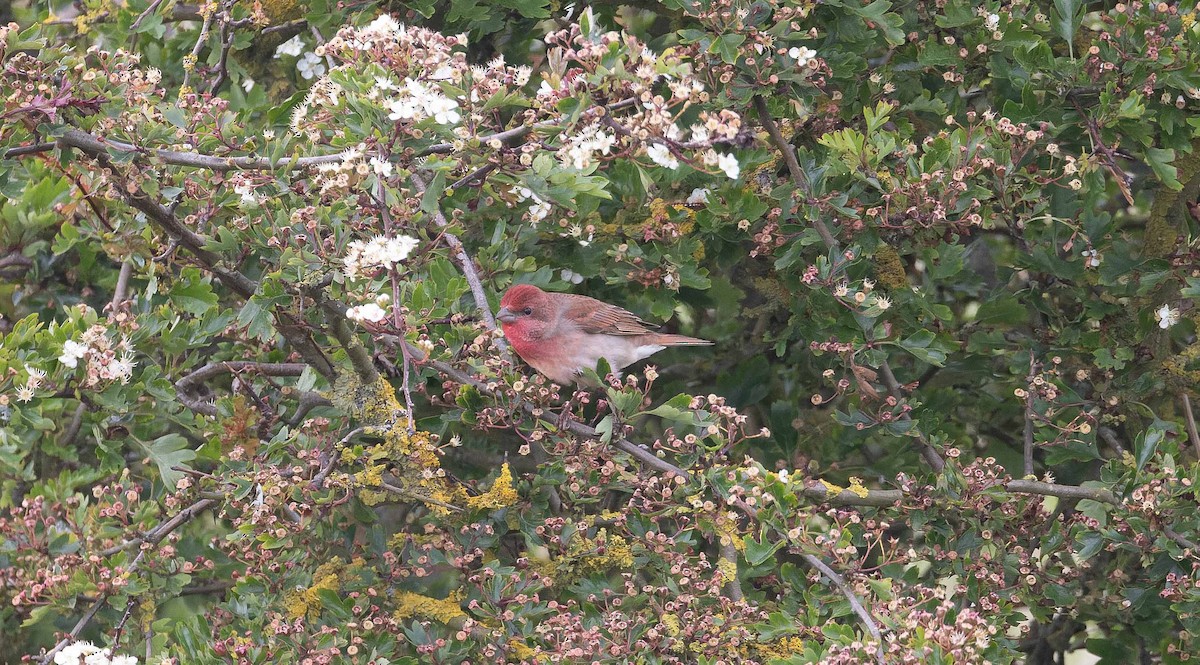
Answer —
1180 540
398 320
73 427
788 151
1190 417
465 263
1062 491
195 56
1028 438
137 23
185 388
855 603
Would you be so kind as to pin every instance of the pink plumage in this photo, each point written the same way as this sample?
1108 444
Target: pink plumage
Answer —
560 334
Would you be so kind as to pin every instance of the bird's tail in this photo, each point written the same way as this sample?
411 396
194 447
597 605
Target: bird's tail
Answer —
679 340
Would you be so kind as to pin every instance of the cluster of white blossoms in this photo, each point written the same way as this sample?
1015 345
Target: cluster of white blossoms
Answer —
104 360
578 150
373 312
86 653
416 101
539 210
310 65
378 253
337 177
318 107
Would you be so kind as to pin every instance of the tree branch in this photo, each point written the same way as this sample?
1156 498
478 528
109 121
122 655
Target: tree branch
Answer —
855 603
148 541
185 388
465 263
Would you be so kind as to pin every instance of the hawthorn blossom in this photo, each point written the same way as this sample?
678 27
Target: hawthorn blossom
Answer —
571 276
418 101
801 54
72 352
378 252
24 393
292 47
579 149
1167 316
698 196
540 208
371 312
661 155
729 164
310 66
86 653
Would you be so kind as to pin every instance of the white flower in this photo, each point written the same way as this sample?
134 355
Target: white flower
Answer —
882 302
579 149
381 167
36 376
801 54
379 252
71 353
540 208
571 276
700 134
247 84
384 26
1093 258
292 47
123 660
405 108
698 196
384 83
992 21
1167 316
370 312
661 155
122 369
442 108
310 66
24 393
729 164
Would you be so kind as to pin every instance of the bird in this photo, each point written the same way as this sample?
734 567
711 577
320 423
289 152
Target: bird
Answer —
561 334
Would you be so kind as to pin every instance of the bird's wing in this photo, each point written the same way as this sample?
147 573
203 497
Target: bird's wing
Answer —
598 317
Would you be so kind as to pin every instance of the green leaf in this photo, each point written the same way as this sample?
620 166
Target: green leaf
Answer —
1160 161
758 551
170 450
192 294
726 46
1147 442
1065 17
920 345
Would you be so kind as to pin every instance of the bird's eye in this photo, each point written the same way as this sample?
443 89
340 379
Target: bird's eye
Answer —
527 311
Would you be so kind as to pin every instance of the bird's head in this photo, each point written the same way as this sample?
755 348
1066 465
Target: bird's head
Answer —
525 313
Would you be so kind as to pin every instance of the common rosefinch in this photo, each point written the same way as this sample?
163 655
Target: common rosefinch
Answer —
560 334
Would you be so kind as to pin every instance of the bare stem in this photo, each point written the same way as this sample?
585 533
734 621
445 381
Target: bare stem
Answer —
855 603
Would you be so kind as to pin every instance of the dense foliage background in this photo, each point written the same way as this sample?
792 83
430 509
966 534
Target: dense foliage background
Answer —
254 408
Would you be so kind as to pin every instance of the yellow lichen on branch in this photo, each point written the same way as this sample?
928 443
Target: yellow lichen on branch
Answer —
405 458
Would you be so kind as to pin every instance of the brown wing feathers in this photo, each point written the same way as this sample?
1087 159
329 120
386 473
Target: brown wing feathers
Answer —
598 317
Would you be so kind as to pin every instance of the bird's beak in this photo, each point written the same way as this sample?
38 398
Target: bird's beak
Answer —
505 316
